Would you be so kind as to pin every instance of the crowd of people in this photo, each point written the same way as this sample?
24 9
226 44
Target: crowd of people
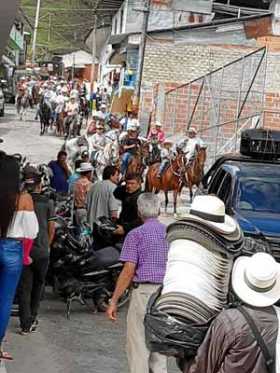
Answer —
69 102
239 339
231 344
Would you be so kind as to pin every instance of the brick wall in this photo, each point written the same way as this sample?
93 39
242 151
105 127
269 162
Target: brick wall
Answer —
172 64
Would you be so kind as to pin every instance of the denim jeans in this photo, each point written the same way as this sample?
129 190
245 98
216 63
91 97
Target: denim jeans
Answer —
125 160
11 259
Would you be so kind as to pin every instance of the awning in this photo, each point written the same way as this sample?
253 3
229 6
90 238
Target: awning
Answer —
117 39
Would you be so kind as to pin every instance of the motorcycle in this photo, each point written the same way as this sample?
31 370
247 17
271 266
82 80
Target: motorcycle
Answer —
79 273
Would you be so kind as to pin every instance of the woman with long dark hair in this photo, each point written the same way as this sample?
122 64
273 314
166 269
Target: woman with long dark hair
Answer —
17 221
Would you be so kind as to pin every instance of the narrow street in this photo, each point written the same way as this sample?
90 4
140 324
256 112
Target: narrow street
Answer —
86 343
23 137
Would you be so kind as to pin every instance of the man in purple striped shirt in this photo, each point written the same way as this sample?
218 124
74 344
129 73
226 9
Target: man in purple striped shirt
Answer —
144 252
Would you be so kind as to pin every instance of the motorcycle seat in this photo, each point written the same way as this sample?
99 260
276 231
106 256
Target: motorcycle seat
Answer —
107 257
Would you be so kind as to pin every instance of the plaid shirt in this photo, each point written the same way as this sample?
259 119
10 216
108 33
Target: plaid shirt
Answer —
146 246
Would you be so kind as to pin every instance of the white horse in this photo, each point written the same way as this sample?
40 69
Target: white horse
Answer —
109 156
74 147
22 104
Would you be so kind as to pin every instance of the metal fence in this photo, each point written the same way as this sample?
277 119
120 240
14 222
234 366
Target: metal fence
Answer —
220 104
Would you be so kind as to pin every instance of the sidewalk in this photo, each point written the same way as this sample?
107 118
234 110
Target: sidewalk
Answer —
32 353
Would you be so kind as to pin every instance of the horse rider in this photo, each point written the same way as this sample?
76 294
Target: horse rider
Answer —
48 95
21 88
72 112
189 144
103 112
114 133
130 144
60 102
97 141
166 154
156 131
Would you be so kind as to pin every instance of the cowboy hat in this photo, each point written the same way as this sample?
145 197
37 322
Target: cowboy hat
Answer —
158 124
85 167
256 280
95 114
166 141
131 127
192 129
135 122
210 210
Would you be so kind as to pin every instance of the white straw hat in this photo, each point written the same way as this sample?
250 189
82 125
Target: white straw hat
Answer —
210 210
158 124
192 129
256 280
85 167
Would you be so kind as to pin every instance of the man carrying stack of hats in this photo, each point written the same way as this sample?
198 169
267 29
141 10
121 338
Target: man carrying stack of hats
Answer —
202 256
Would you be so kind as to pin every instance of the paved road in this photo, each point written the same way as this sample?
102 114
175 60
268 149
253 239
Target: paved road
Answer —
86 343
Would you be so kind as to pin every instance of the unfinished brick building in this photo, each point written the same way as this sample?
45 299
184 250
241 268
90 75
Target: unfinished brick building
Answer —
220 76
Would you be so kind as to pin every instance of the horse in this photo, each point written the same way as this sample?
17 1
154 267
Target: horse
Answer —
74 147
137 162
83 111
171 180
22 105
109 156
71 126
60 130
45 114
195 169
36 94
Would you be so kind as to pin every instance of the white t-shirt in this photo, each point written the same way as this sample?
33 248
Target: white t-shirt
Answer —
99 140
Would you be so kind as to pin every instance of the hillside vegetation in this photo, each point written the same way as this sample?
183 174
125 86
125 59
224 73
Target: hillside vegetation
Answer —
63 24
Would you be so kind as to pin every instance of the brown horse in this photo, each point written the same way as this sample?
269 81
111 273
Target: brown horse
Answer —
137 163
195 170
60 124
171 180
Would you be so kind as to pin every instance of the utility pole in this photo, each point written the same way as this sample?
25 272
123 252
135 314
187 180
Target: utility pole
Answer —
93 52
73 66
35 31
142 48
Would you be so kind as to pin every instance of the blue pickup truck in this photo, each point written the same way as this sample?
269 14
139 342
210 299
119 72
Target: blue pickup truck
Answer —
249 185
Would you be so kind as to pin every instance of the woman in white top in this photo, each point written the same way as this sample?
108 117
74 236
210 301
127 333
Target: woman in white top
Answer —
17 222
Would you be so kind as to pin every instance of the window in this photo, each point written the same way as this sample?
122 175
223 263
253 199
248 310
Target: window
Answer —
225 188
214 183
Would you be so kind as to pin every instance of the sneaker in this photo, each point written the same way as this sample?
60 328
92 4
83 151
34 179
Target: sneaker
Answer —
24 332
34 326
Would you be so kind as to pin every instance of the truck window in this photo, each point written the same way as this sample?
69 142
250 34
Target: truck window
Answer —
216 181
225 188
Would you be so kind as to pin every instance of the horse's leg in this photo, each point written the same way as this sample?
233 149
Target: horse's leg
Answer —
175 195
166 201
191 192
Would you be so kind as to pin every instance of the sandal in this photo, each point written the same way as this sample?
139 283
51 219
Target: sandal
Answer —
5 356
